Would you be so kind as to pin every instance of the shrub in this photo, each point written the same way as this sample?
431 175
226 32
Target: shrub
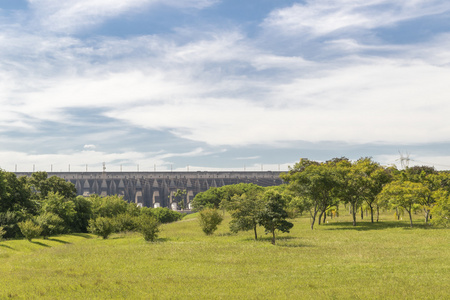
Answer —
2 232
29 229
209 220
125 222
101 226
9 220
165 215
50 223
148 226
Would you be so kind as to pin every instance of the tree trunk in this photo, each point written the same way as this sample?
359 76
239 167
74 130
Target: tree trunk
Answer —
313 217
324 217
320 217
378 213
354 213
362 213
273 236
256 234
410 217
371 213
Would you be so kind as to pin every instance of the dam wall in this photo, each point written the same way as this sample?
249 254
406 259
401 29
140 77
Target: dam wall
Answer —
156 189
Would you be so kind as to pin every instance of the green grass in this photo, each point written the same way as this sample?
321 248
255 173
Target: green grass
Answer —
335 261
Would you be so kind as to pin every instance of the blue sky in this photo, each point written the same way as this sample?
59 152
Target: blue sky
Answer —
222 85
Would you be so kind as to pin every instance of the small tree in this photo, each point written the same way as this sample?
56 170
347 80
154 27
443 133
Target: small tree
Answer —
125 222
244 210
101 226
50 223
273 216
29 229
148 226
209 220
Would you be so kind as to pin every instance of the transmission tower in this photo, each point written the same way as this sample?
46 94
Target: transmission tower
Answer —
404 160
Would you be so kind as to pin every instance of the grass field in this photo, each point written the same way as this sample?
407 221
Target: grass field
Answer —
385 260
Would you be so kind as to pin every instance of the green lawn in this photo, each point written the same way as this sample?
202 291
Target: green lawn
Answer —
335 261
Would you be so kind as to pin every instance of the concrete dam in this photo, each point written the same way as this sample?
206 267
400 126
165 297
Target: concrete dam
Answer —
156 189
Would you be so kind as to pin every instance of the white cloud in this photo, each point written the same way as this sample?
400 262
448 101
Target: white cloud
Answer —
321 17
199 94
128 160
70 16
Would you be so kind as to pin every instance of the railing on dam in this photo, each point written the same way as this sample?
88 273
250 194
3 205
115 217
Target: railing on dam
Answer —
154 189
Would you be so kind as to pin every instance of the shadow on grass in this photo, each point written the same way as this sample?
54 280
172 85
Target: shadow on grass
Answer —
84 235
293 245
288 242
366 226
40 244
58 240
161 240
284 241
5 246
226 234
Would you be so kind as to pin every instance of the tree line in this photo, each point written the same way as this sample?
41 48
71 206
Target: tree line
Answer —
44 206
321 189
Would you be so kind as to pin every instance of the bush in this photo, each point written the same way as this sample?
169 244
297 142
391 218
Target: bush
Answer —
30 230
101 226
148 226
165 215
209 220
125 222
50 223
2 232
9 220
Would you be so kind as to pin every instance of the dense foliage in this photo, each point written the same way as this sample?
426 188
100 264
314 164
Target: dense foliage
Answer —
45 206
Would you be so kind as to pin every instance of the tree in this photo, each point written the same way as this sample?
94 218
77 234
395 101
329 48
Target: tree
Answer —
56 204
179 194
377 177
50 224
108 206
273 216
29 229
15 193
209 220
403 193
360 182
148 226
83 213
101 226
213 197
314 184
244 210
41 185
9 221
208 199
441 211
351 184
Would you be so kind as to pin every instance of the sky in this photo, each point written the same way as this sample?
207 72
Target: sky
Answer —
197 85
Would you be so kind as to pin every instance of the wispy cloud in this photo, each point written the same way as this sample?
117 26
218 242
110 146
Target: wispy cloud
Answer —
321 17
71 16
